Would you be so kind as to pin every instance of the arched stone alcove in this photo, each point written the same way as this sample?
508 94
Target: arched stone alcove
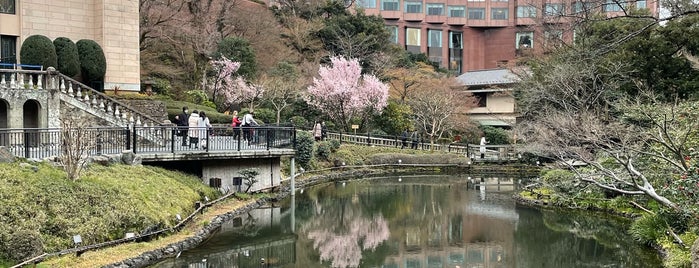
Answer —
31 115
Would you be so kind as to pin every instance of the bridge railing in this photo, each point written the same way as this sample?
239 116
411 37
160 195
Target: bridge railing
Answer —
505 152
48 142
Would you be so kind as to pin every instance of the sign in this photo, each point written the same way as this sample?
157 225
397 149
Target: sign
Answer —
355 126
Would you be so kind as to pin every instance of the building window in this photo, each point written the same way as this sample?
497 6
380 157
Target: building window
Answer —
457 11
641 4
554 9
8 50
526 12
612 6
476 13
455 49
481 98
390 5
367 3
553 38
413 7
412 39
434 45
7 6
499 13
393 30
524 40
435 9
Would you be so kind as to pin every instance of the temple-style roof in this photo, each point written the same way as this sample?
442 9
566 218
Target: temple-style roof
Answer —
487 77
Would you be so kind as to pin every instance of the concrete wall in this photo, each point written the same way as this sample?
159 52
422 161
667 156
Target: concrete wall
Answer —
114 24
269 168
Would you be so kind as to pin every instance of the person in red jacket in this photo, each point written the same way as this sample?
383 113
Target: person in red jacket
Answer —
236 125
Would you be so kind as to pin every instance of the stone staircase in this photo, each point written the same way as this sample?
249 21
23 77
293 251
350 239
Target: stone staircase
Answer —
80 96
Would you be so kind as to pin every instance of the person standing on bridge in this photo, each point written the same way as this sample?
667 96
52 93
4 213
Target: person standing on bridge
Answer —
248 124
236 123
482 149
194 129
182 123
205 129
317 131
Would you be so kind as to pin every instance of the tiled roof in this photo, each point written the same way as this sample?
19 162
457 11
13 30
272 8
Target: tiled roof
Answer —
487 77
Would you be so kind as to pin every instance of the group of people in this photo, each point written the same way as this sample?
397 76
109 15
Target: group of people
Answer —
246 124
320 131
193 128
413 137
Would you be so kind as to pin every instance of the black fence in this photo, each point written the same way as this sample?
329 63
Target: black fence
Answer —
42 143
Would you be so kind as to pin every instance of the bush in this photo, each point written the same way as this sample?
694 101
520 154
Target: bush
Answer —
323 151
299 121
304 148
38 50
648 229
93 64
495 135
68 59
562 181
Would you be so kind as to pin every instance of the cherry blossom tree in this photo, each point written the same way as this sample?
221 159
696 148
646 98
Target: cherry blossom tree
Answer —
233 89
342 92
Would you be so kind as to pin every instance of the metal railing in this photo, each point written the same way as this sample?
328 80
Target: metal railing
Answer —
492 152
43 142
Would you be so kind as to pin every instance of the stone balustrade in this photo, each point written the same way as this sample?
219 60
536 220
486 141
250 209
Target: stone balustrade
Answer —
53 80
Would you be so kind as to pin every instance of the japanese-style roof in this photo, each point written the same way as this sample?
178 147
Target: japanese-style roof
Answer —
487 77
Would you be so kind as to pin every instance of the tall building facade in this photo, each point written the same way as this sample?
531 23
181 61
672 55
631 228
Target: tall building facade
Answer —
466 35
114 24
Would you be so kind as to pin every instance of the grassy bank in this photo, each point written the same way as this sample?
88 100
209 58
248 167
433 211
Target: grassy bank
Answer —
42 210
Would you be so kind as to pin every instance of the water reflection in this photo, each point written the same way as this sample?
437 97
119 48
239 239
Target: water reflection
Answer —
415 222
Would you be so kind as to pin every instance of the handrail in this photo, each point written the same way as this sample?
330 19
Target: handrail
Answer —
104 96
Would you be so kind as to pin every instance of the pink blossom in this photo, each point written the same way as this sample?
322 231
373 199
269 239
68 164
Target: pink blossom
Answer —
341 91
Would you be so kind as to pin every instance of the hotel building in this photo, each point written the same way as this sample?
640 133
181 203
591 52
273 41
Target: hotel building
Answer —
467 35
114 24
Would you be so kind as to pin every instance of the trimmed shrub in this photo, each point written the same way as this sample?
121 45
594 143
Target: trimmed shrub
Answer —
323 150
38 50
299 121
93 64
67 56
496 135
304 148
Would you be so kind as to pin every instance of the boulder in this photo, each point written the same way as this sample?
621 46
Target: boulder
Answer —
104 160
6 156
128 157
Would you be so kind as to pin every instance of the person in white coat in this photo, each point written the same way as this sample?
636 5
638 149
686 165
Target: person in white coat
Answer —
193 123
203 125
482 149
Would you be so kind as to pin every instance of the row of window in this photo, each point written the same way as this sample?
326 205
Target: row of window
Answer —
434 38
7 6
438 9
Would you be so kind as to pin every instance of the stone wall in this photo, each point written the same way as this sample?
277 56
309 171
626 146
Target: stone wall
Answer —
48 107
153 108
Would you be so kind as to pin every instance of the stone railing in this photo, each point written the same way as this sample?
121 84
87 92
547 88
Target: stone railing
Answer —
50 79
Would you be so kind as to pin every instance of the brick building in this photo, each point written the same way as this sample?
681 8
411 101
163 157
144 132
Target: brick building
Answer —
467 35
114 24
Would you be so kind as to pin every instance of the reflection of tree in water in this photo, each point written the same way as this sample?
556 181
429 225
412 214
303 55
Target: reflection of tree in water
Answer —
340 237
577 240
250 227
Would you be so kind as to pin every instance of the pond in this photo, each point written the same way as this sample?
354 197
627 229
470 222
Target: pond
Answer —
416 222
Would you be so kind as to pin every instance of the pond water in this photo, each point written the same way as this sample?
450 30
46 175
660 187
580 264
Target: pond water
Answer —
415 222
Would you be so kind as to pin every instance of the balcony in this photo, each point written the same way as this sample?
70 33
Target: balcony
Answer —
391 14
413 16
459 21
435 18
525 21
